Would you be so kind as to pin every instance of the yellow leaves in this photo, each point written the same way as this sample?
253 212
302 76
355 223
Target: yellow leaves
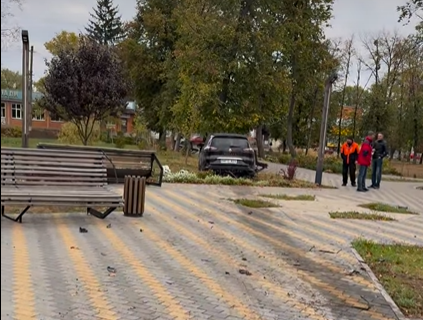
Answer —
345 131
63 40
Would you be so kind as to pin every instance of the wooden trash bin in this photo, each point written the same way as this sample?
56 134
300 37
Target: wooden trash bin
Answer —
134 196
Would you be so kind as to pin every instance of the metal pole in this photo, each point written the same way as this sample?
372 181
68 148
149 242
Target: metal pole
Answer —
25 65
30 82
323 129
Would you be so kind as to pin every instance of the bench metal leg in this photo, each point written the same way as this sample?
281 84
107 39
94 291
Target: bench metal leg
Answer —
16 219
99 214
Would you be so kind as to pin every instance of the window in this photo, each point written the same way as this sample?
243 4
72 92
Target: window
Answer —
3 110
16 111
229 142
124 127
38 115
55 117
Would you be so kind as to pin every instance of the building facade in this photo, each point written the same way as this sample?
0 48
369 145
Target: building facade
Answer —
12 113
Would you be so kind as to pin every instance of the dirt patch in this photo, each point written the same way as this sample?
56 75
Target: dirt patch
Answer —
409 170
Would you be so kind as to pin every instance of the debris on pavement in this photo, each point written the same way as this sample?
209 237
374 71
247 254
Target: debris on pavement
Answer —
245 272
82 230
111 270
109 226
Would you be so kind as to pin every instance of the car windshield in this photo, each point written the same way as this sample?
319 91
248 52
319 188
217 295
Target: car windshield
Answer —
229 142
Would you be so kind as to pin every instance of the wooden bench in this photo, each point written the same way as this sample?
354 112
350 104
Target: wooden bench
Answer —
122 162
34 177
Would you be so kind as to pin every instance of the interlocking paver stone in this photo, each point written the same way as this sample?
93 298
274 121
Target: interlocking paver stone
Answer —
185 264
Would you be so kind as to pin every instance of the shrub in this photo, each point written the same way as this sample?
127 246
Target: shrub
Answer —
69 134
289 173
331 164
120 141
11 132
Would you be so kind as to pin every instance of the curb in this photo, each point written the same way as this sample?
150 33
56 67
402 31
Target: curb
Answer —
399 315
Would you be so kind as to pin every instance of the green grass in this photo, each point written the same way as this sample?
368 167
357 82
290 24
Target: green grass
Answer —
359 216
252 203
300 197
399 268
382 207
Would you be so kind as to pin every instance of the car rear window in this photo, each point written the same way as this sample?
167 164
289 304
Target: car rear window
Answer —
229 142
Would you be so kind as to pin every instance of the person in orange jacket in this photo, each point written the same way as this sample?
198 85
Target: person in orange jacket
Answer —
349 154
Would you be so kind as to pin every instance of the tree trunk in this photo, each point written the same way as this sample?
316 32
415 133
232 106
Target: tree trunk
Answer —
289 126
310 124
162 139
357 99
259 141
421 158
172 141
177 144
391 153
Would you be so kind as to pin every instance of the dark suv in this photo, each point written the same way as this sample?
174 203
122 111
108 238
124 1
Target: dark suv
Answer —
227 153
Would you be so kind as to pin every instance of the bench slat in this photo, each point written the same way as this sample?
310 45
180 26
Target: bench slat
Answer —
26 159
52 153
19 178
116 203
51 190
65 172
10 169
80 197
57 183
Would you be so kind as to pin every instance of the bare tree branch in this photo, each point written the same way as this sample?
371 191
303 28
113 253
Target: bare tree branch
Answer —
9 30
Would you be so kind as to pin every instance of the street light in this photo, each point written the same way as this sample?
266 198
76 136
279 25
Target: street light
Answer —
25 104
323 128
25 36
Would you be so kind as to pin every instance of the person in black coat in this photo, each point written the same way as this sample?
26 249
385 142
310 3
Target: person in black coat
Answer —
380 151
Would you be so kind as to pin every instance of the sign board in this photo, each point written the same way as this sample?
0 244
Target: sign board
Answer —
7 94
16 95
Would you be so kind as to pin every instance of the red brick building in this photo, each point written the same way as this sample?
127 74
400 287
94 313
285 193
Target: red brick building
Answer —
12 111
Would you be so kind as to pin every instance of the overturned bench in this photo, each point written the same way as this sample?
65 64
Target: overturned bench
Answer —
34 177
121 162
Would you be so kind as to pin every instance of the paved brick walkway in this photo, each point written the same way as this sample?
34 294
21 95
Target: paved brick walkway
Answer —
183 260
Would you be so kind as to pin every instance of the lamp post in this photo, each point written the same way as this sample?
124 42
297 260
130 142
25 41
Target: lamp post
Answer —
25 85
323 129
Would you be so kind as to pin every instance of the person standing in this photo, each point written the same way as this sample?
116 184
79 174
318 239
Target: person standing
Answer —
364 161
380 151
349 154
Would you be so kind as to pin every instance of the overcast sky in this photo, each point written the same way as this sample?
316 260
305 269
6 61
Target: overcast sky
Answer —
45 18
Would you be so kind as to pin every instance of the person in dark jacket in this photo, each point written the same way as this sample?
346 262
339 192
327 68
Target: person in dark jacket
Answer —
380 151
364 160
349 154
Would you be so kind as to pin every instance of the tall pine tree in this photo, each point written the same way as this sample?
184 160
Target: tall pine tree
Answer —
105 25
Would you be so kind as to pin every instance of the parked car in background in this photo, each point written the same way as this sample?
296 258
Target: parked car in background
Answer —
228 153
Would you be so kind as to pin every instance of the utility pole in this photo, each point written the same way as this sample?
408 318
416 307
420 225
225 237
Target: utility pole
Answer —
323 129
25 67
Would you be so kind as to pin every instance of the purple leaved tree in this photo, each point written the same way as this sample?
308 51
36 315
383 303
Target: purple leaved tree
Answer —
85 86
